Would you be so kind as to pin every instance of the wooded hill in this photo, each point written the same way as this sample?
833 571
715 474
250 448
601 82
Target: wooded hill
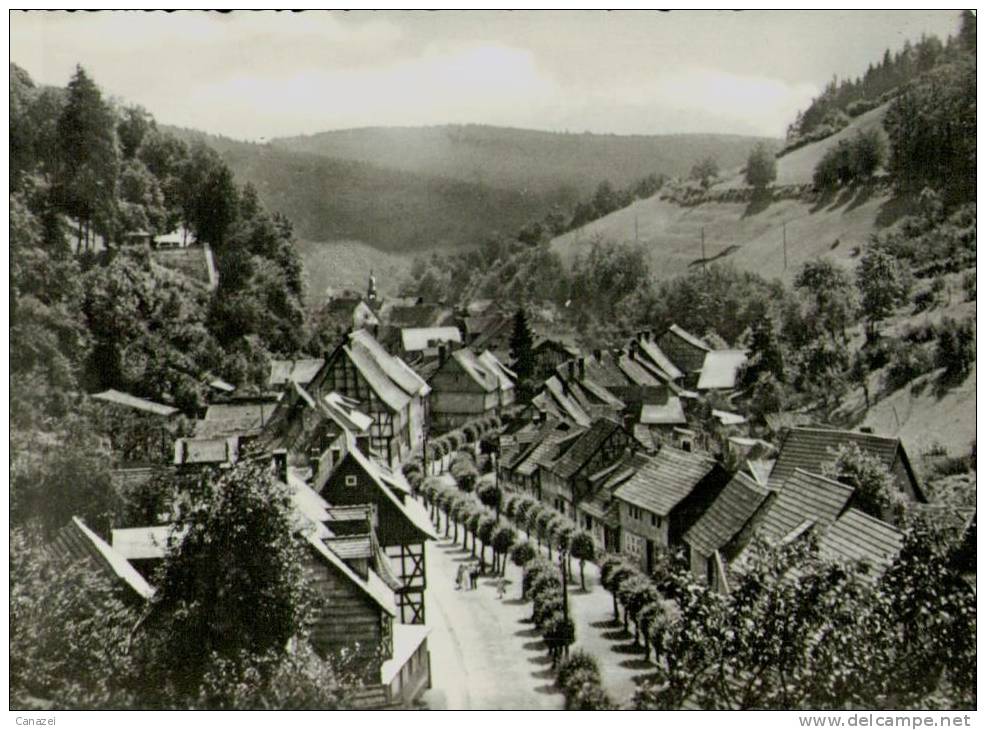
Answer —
561 166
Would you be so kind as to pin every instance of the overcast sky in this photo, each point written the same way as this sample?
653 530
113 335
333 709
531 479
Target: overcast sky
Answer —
256 75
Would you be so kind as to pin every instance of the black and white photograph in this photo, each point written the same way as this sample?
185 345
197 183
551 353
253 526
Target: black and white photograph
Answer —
516 360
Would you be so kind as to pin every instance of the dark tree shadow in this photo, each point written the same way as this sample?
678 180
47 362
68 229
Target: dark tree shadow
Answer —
760 201
618 635
548 689
636 664
547 673
610 624
535 645
824 200
527 633
631 648
541 659
894 209
864 193
515 602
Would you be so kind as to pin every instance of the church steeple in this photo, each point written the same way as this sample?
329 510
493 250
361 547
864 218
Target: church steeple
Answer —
371 288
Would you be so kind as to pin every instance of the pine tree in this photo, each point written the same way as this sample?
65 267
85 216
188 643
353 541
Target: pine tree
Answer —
522 350
88 157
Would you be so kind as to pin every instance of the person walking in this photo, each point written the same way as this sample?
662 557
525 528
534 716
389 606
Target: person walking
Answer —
473 576
460 574
501 588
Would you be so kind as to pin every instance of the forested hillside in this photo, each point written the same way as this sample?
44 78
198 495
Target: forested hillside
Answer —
85 318
563 166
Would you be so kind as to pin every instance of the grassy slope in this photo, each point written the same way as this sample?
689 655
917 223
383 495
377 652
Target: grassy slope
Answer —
750 238
522 159
347 264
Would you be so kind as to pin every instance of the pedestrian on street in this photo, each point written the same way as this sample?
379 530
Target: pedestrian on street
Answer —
460 574
501 588
473 576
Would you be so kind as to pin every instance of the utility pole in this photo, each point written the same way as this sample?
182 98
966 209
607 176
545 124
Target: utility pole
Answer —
703 251
785 245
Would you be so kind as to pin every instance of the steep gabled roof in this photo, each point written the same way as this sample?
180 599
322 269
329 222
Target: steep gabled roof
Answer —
546 451
503 374
78 541
580 451
476 370
720 369
415 339
669 414
805 497
344 412
600 393
385 389
810 448
395 368
665 480
726 517
688 337
656 355
293 371
138 404
389 484
567 405
635 372
858 537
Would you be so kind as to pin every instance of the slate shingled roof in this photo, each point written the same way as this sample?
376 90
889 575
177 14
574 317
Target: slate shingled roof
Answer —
858 537
131 401
76 541
476 370
727 515
671 413
415 339
665 479
546 451
293 371
720 369
689 337
810 448
565 403
657 356
805 497
584 448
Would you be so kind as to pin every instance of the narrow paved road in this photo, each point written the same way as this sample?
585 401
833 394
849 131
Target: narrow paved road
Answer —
483 657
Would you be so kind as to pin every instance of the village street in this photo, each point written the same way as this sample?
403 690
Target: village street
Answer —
484 655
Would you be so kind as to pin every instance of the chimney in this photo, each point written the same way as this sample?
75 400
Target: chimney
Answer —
571 369
442 354
634 349
598 354
581 368
280 462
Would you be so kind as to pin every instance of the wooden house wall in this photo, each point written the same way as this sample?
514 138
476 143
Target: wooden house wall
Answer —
346 615
393 527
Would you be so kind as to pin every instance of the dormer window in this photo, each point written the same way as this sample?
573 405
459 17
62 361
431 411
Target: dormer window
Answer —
351 480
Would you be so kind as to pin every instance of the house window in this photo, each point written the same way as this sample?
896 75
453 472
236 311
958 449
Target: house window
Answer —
351 480
588 523
653 520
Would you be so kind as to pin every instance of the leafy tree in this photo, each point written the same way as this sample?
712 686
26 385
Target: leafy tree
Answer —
503 540
883 284
69 633
830 297
233 582
876 492
761 167
766 355
705 171
582 548
956 348
522 554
